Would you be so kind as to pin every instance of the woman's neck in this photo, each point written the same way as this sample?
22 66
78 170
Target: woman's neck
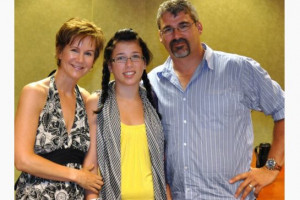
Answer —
64 83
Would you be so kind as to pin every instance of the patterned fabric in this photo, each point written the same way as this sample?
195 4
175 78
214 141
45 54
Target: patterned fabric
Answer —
208 128
52 135
108 146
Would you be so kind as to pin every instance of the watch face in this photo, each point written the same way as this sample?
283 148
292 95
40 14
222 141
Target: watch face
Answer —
271 163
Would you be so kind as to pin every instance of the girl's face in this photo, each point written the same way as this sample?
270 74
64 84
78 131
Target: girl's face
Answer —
77 59
127 63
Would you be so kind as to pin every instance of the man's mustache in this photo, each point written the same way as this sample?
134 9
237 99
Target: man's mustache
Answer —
178 41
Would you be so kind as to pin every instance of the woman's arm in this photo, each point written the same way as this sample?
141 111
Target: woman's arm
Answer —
32 101
91 157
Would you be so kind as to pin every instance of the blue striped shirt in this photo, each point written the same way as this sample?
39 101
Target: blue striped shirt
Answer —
207 126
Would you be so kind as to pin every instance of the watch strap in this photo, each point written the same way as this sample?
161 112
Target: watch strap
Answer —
276 167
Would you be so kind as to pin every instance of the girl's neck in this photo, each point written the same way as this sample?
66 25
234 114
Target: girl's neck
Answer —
127 92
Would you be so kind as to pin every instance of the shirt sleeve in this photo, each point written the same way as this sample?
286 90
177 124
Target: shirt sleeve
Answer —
260 92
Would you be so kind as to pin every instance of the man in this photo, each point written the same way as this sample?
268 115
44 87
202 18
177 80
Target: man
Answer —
205 98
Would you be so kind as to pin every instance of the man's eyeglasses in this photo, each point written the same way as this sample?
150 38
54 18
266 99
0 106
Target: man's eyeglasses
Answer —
181 28
123 59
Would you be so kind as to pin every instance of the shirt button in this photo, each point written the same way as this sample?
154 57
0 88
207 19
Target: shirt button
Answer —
184 99
185 167
184 144
184 121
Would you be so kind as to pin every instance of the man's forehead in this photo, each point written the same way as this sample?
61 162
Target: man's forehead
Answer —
169 17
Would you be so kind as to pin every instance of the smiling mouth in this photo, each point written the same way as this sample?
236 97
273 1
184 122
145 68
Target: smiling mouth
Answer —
128 73
77 67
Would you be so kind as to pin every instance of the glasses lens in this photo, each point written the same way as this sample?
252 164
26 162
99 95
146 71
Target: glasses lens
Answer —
123 59
167 30
181 27
136 58
120 59
184 27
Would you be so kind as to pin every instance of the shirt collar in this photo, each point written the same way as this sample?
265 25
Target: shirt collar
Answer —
208 56
168 69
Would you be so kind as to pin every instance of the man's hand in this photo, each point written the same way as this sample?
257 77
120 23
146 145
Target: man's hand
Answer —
255 180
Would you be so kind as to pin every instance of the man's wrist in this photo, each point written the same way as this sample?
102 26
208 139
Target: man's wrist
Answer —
271 164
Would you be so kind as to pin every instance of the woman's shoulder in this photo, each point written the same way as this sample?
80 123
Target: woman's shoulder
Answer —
87 96
94 97
84 93
92 102
35 94
37 89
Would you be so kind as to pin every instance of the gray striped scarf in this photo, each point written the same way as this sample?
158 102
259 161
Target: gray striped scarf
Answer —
108 146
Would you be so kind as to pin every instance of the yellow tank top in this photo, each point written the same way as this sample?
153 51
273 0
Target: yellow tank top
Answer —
136 174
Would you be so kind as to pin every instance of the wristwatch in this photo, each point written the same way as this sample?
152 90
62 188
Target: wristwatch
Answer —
271 164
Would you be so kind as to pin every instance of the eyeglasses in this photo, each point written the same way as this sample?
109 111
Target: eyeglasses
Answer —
123 59
184 26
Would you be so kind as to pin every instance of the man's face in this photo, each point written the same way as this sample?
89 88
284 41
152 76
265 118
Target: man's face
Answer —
179 34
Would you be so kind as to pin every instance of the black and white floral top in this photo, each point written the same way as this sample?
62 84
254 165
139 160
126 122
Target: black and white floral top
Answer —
56 144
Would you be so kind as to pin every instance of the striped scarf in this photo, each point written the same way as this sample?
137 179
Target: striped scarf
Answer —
108 146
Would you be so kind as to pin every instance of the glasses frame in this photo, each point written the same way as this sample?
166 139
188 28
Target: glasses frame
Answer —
189 25
139 59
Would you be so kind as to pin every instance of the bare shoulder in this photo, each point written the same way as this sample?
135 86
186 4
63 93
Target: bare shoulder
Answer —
36 90
84 93
34 95
93 99
92 107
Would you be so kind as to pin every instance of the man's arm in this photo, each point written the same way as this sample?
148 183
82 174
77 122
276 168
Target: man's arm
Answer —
169 195
277 148
261 177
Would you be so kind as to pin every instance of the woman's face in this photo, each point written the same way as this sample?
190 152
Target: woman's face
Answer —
127 63
77 58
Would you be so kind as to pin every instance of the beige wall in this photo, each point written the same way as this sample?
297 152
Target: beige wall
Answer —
254 28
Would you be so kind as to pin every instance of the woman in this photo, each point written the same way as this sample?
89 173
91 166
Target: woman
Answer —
51 126
130 140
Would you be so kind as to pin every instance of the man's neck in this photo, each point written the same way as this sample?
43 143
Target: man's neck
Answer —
186 67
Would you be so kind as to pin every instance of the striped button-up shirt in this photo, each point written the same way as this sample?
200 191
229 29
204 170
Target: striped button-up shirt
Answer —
207 126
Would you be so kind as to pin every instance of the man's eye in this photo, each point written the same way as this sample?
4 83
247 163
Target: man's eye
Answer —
167 30
183 26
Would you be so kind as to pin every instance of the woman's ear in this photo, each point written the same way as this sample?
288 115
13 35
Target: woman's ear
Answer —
58 53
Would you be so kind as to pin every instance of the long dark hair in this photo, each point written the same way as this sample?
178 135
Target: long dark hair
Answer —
124 35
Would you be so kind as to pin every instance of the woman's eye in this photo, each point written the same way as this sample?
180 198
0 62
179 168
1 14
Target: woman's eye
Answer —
88 53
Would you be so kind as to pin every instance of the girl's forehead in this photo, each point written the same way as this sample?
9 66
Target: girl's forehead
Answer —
127 46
